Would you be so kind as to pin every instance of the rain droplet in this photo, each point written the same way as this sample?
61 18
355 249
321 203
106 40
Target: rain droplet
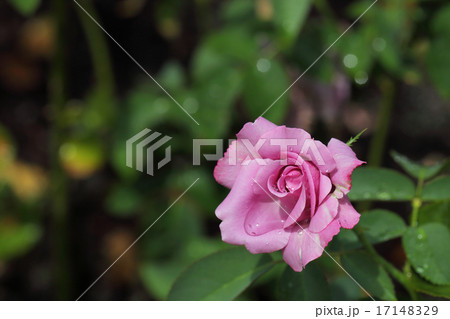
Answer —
282 220
257 225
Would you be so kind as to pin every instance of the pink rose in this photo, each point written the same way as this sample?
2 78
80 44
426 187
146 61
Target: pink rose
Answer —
288 191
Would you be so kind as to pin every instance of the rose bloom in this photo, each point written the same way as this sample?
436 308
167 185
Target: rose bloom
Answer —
288 191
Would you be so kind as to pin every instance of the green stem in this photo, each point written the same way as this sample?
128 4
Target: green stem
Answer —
98 47
416 203
377 145
57 96
101 62
378 142
394 272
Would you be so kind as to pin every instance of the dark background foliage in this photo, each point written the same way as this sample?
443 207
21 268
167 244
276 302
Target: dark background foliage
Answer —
70 98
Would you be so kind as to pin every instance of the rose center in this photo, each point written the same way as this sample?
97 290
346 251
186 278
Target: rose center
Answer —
288 180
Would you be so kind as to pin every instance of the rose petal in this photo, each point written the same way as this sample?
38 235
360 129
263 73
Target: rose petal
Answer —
346 162
254 131
264 216
228 166
348 217
297 211
324 188
318 153
312 178
281 139
304 246
233 212
324 215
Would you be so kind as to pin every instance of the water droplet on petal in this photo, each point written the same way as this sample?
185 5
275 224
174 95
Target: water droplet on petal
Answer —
257 225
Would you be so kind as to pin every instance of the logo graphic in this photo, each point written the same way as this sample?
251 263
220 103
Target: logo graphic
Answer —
145 143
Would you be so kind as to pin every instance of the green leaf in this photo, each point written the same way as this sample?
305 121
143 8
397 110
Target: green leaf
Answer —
310 284
370 275
220 276
415 169
16 240
428 288
438 212
25 7
172 76
441 21
262 87
289 16
343 288
216 97
438 63
381 184
428 249
158 277
437 189
123 201
380 225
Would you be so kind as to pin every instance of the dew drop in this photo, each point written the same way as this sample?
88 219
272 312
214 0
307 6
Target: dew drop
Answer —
257 225
282 220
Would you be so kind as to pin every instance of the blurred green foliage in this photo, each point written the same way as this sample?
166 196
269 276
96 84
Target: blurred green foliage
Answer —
245 57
